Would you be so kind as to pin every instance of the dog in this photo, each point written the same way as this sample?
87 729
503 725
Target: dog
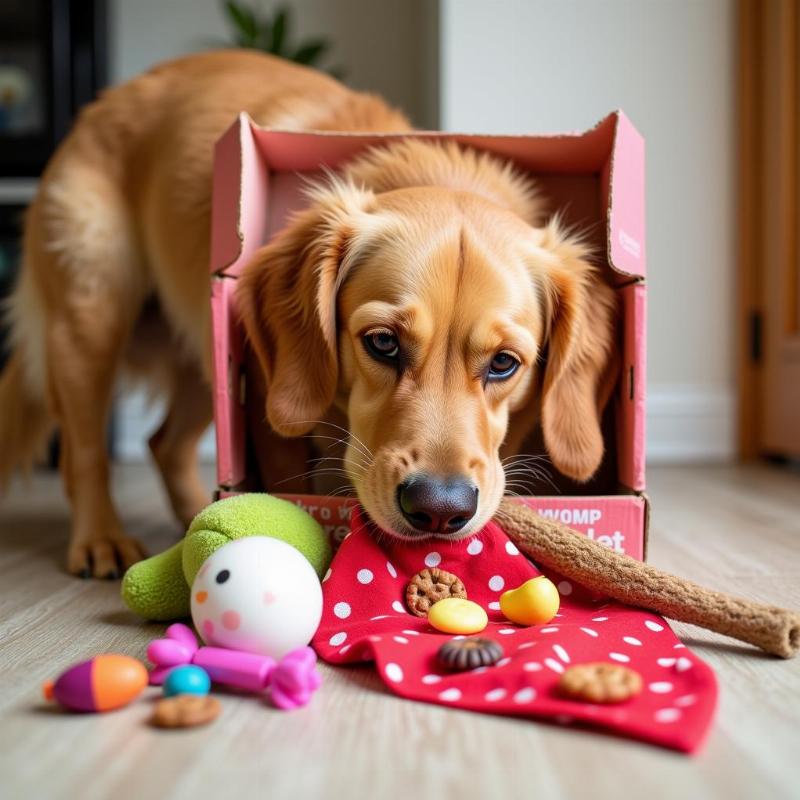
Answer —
419 302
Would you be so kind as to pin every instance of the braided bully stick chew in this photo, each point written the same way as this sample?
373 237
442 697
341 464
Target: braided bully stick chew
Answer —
550 544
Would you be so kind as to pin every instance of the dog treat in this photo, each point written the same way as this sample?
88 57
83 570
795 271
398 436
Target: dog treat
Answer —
185 711
600 682
456 615
430 586
597 567
535 602
463 654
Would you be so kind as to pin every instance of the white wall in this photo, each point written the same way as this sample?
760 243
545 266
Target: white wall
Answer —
521 66
382 45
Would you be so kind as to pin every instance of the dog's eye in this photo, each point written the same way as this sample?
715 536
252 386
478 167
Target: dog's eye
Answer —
503 366
382 345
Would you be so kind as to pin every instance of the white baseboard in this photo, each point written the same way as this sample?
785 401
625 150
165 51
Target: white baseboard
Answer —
689 423
136 419
684 424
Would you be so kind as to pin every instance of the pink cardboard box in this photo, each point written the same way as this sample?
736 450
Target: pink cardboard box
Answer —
595 178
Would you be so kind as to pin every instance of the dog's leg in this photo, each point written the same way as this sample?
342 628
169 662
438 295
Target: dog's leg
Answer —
81 251
81 380
174 444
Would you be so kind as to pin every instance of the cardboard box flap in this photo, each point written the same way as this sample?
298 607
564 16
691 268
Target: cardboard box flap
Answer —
611 149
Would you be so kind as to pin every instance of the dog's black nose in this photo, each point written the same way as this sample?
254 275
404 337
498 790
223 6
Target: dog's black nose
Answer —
437 506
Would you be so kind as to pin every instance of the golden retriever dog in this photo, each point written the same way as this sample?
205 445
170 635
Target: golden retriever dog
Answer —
419 298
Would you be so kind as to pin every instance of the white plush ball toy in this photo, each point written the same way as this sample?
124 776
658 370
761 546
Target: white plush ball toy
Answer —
257 594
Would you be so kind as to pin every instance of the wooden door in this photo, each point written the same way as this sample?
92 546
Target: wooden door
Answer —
769 308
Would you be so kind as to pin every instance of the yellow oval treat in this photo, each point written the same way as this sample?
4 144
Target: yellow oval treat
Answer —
534 603
455 615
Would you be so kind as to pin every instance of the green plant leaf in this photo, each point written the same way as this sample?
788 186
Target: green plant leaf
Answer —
280 24
246 27
310 52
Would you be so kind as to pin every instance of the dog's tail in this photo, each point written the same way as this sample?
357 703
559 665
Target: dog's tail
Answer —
25 419
25 422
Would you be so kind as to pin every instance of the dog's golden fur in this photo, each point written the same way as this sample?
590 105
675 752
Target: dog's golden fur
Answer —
440 245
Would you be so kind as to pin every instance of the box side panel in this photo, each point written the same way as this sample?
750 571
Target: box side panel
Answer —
251 197
616 522
229 417
570 153
226 241
626 212
631 412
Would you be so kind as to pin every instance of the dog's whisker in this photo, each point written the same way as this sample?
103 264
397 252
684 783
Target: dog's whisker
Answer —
365 450
335 442
519 471
313 472
338 459
525 459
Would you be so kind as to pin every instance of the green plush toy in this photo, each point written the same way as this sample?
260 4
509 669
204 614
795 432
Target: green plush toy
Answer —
158 588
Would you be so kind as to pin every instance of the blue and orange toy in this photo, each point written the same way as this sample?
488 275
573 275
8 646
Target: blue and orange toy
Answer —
102 683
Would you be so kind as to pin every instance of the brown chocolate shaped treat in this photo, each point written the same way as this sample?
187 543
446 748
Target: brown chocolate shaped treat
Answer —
463 654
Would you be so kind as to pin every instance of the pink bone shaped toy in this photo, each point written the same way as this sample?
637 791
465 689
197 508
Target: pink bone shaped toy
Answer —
291 681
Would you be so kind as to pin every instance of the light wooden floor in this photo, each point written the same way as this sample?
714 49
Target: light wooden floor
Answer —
731 528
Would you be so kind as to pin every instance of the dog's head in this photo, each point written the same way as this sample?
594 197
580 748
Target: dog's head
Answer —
430 315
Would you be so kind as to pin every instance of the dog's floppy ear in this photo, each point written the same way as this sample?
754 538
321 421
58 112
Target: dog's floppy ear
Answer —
287 300
581 313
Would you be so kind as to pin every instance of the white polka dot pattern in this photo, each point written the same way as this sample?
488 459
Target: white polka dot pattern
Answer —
621 657
475 547
496 583
342 610
561 653
393 672
369 577
365 576
526 695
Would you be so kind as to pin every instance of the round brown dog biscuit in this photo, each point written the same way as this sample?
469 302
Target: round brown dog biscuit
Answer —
600 682
185 711
430 586
470 653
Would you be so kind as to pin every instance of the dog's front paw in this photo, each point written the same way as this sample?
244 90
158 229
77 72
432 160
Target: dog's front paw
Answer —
103 556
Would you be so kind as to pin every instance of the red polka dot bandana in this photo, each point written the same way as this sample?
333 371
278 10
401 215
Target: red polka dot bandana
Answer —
365 619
